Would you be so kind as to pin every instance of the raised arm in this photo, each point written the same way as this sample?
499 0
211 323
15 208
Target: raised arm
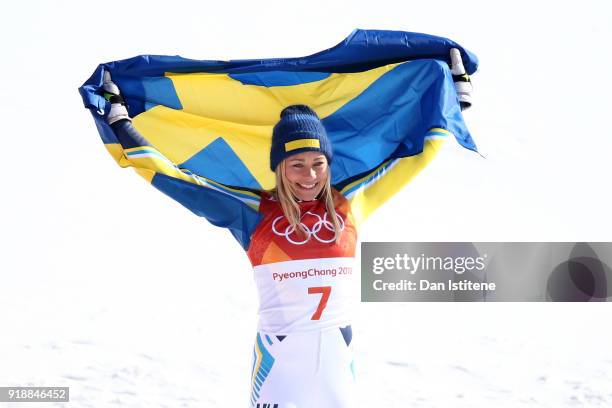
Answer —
223 206
368 191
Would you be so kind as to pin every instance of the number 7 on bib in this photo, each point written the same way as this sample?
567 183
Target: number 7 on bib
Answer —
325 291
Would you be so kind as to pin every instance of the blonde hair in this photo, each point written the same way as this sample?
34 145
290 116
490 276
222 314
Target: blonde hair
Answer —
288 202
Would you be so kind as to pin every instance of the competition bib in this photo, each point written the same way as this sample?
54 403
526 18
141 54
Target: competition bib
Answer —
305 294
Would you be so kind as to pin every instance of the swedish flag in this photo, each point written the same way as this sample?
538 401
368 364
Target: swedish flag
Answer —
386 99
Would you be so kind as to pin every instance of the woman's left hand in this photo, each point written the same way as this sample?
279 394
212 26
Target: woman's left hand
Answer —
463 85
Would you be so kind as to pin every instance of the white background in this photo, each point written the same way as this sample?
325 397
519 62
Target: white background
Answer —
111 288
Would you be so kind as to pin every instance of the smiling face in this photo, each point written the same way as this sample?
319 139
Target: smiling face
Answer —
306 173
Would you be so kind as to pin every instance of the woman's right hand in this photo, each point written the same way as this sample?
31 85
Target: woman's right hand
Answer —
118 111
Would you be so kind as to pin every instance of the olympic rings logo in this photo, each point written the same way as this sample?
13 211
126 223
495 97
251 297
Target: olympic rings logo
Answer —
317 226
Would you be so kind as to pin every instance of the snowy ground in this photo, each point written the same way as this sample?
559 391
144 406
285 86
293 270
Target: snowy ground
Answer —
110 288
148 352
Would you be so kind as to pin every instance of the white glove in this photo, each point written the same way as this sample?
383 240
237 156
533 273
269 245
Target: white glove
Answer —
118 111
463 85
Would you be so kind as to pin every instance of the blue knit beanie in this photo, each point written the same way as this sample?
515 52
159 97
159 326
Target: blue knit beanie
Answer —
298 130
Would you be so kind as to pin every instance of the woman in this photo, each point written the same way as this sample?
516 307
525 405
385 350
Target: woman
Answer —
302 248
302 253
300 238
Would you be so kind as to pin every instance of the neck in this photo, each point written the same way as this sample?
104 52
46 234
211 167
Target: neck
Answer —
299 200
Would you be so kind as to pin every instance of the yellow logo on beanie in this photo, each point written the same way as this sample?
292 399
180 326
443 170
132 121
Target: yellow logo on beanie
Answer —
301 143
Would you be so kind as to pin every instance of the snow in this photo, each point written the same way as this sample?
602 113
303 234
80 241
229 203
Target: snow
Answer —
114 290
